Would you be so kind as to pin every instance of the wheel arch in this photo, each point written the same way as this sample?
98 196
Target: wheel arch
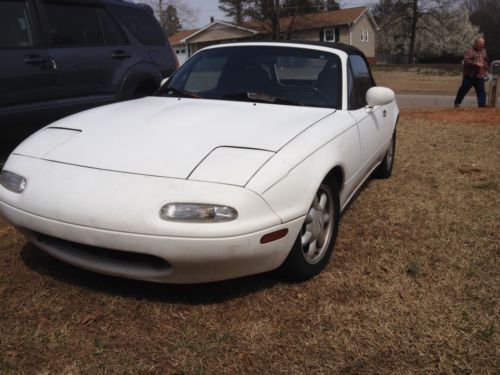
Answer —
289 180
292 195
336 174
140 76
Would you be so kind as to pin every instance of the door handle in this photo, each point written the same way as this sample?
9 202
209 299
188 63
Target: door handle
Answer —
120 54
52 63
34 59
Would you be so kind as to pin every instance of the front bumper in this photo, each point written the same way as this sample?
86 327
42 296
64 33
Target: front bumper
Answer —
76 213
186 260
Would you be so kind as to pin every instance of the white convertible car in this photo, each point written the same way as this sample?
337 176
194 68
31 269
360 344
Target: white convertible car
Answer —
241 163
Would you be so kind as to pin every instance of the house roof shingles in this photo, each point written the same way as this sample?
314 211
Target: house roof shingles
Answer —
313 20
178 36
301 22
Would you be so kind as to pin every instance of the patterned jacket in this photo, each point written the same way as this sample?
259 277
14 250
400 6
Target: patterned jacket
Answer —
472 59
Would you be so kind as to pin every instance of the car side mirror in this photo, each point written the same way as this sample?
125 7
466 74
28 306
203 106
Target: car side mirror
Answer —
379 96
163 81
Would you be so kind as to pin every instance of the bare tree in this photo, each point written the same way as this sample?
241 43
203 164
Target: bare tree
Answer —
184 12
408 17
331 5
234 9
268 13
486 15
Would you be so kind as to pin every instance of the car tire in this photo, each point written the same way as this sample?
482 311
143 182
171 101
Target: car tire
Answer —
306 259
384 170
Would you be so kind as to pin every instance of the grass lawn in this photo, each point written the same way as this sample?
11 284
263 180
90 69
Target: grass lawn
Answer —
412 287
441 79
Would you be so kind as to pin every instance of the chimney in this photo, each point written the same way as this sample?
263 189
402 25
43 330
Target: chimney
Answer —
212 19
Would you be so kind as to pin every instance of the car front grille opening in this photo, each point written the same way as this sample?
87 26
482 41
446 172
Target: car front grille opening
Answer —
103 255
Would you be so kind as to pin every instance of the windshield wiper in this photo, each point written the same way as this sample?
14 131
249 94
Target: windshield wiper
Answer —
260 97
180 92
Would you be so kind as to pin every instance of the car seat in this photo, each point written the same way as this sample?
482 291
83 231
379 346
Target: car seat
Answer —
328 82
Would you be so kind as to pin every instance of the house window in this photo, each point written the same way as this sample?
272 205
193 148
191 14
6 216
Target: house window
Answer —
364 35
329 35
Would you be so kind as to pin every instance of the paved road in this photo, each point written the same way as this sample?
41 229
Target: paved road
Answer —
430 100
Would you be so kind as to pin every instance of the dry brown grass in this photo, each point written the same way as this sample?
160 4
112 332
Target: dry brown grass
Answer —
413 287
3 223
485 115
429 79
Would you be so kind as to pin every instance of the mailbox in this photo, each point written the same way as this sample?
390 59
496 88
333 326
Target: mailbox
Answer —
495 67
495 77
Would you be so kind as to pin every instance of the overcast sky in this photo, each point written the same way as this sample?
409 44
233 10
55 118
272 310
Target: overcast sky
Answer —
204 9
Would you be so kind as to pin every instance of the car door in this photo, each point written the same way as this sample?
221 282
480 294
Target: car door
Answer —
89 49
26 72
370 120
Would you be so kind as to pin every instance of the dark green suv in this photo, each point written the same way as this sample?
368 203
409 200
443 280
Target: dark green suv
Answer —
58 57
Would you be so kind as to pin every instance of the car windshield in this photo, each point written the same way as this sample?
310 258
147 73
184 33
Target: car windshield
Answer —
267 74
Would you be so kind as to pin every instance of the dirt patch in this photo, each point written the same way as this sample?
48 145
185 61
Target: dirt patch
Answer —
413 287
457 115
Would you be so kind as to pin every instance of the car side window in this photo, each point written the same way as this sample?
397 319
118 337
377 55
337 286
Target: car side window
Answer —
359 81
16 25
112 33
141 24
74 25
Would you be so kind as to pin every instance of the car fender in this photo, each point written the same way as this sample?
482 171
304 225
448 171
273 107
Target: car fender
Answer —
290 179
394 110
390 126
142 72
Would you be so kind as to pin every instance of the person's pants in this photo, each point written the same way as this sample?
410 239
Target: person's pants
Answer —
467 83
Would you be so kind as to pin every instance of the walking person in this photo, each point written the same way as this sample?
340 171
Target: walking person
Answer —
475 73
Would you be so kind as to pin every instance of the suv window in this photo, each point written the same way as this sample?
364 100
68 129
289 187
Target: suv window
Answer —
112 33
359 81
142 24
74 25
16 28
80 25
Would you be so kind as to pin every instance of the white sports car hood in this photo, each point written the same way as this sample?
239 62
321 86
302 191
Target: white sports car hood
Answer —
169 137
